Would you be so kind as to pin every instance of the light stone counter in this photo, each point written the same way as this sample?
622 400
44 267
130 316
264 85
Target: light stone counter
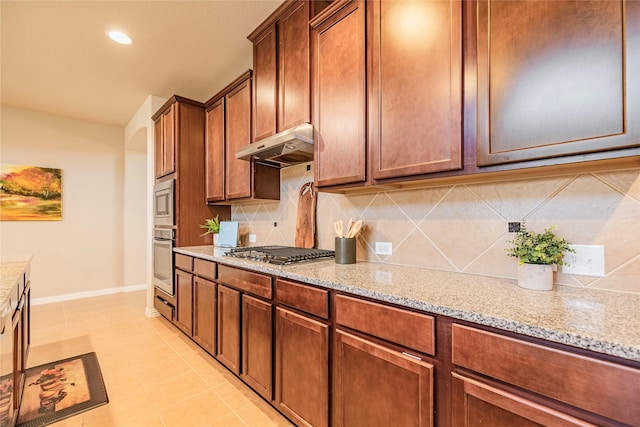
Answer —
11 273
601 321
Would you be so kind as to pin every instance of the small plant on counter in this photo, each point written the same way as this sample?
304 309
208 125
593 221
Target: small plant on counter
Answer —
212 226
538 248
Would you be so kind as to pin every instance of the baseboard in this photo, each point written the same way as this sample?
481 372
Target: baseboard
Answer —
89 294
151 312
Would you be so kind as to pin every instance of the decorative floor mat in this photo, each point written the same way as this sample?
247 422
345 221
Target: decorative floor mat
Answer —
61 389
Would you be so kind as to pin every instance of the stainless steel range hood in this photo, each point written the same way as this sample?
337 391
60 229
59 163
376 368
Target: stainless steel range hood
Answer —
288 148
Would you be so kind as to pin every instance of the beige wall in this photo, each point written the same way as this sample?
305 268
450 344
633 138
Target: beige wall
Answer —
463 228
83 252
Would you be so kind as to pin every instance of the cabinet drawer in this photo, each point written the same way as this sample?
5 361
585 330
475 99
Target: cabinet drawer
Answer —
254 283
409 329
312 300
163 307
205 268
184 262
600 387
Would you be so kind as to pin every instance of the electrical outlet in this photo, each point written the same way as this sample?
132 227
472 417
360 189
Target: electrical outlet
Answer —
588 260
252 238
275 223
384 248
514 227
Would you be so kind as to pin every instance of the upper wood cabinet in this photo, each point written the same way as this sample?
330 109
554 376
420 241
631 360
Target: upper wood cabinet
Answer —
415 87
339 88
228 128
215 151
556 78
180 154
164 144
281 70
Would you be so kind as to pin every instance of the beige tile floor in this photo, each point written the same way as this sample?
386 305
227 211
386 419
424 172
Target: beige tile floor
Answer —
154 375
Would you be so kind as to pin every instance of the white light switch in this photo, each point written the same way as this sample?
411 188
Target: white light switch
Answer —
252 238
587 261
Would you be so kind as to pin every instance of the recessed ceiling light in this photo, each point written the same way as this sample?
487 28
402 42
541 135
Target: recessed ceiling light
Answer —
119 37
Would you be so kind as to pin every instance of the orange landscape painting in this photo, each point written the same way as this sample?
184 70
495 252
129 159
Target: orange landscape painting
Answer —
30 193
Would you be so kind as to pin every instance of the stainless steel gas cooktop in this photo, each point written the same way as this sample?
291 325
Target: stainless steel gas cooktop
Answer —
279 254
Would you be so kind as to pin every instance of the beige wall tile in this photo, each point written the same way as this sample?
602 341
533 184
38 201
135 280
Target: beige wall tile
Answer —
464 228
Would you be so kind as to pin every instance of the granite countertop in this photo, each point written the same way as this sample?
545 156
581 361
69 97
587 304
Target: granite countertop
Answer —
602 321
11 270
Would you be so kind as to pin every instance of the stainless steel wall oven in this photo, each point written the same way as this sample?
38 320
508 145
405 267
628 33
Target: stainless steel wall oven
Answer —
163 242
164 230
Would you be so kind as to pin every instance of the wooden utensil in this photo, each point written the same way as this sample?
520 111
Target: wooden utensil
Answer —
338 227
355 229
349 225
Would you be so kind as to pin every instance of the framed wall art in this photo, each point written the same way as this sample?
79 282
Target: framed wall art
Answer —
30 193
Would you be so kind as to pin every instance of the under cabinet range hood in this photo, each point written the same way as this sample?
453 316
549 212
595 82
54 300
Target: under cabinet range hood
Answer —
288 148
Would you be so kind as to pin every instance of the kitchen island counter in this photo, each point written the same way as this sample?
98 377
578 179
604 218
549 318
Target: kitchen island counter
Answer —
601 321
12 272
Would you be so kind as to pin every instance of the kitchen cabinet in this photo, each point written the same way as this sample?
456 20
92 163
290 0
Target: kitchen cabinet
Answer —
556 79
187 118
377 383
257 345
15 342
339 94
195 300
564 389
246 295
302 353
369 75
228 128
184 297
415 87
281 81
164 142
228 347
204 304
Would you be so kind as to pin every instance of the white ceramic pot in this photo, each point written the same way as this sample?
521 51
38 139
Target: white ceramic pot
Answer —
537 277
215 239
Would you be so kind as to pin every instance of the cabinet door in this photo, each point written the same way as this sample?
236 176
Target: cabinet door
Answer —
339 93
264 84
158 147
302 368
377 386
479 404
556 78
293 67
204 313
238 120
257 345
228 347
415 103
215 150
184 297
169 119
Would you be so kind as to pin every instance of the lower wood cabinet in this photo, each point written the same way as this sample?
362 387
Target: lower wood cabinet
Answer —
204 313
184 298
257 345
377 386
481 403
568 388
302 368
228 348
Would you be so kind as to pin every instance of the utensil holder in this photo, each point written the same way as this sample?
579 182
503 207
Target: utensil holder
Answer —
345 250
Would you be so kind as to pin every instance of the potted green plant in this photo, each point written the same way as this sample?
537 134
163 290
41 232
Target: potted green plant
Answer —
539 255
212 225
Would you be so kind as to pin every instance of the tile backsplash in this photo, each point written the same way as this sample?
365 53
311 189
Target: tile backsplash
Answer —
464 228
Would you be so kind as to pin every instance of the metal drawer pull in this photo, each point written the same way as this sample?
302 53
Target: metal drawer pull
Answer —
412 356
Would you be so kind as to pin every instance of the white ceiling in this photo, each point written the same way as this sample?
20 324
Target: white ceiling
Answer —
56 58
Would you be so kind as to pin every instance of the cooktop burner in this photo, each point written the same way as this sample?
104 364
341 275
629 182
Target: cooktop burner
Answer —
279 254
